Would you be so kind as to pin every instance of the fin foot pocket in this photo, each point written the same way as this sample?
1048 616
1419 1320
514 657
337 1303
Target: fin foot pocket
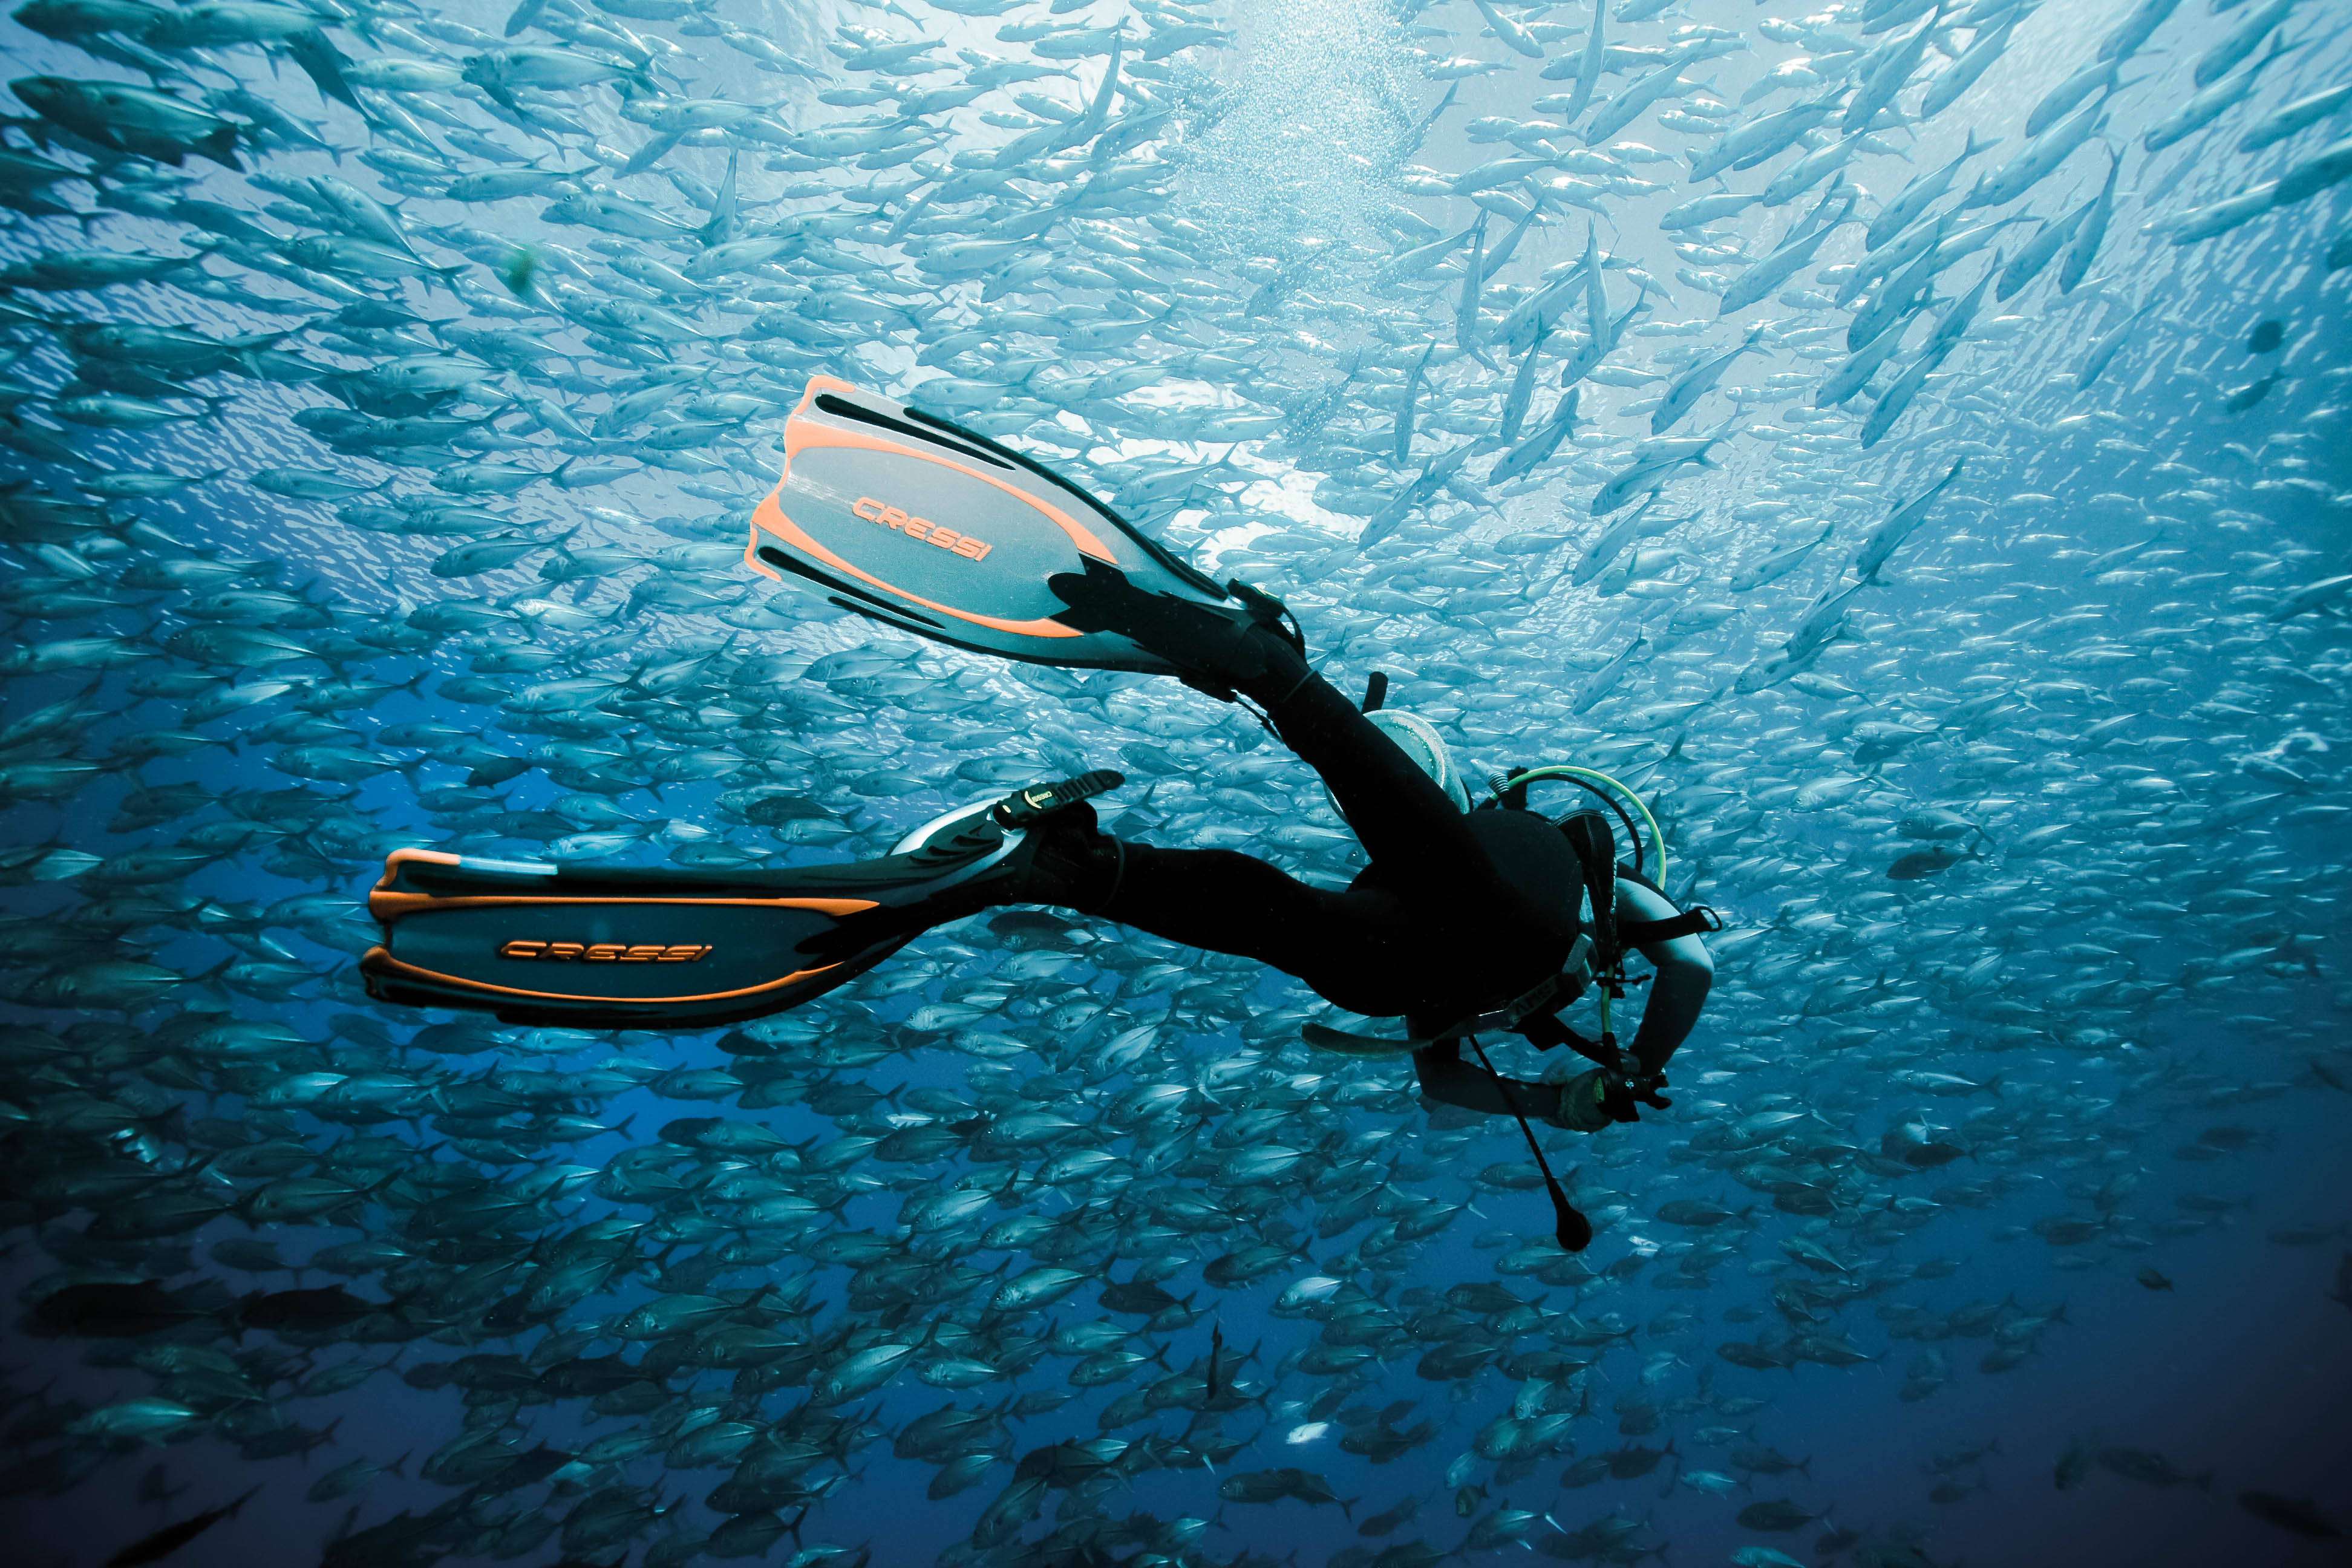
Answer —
1214 648
1269 613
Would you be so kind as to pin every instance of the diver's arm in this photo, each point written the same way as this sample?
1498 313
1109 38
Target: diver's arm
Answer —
1444 1076
1677 995
1685 973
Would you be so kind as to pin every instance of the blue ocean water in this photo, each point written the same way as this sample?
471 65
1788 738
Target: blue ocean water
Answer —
2023 809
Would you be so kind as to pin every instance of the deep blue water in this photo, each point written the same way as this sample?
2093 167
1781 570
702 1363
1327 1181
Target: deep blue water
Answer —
2155 984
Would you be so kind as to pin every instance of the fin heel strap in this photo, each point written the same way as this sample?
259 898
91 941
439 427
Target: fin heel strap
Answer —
1025 806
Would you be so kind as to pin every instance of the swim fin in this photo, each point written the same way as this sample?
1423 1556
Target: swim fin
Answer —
582 948
901 516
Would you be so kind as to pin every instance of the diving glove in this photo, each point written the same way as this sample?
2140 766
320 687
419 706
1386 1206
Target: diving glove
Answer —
1592 1100
1583 1106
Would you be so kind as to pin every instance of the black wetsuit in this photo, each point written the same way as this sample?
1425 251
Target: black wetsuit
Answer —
1457 913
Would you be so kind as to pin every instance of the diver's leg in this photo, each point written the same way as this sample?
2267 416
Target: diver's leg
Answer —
1355 949
1444 1076
1400 815
1404 821
1574 1106
1352 946
1344 944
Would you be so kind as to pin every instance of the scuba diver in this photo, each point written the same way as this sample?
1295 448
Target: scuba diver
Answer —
1465 922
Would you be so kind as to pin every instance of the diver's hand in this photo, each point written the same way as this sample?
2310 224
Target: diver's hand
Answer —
1621 1097
1582 1105
1594 1099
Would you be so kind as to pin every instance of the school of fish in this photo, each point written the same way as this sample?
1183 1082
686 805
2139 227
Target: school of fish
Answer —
1901 440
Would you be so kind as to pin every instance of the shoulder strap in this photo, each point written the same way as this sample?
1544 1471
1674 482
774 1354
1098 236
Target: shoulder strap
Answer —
1595 847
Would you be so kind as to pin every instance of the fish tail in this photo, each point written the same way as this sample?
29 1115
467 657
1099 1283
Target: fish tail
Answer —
220 147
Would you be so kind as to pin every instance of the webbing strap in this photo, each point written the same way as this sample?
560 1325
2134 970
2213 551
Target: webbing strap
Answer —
1547 1032
1596 854
1692 921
